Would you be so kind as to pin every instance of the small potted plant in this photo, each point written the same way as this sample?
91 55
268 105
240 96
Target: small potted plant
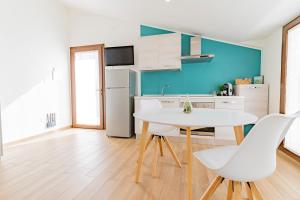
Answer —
187 105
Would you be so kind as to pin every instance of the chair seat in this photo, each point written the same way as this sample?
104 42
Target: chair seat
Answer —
216 158
162 130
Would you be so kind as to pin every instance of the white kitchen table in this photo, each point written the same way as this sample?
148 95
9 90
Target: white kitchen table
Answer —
197 118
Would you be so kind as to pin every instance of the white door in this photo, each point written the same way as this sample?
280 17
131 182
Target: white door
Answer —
87 86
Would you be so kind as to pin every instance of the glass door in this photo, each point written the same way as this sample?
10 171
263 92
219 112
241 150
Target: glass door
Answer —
87 86
292 140
290 102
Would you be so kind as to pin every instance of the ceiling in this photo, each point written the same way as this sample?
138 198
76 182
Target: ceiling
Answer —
234 20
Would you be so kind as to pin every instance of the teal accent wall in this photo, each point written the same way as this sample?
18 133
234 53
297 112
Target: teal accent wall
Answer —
230 62
247 128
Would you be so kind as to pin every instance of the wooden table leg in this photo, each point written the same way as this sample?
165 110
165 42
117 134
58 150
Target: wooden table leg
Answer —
239 134
190 163
142 151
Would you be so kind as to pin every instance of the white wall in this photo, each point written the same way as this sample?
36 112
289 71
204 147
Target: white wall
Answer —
86 28
271 68
255 43
33 38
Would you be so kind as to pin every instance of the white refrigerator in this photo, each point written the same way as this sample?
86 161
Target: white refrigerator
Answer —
120 91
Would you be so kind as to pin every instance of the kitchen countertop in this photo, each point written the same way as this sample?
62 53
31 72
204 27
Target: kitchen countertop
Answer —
184 95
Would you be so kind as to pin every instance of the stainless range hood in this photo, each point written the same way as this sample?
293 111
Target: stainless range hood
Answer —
196 55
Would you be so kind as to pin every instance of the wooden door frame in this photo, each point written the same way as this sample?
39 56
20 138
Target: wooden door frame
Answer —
100 49
284 52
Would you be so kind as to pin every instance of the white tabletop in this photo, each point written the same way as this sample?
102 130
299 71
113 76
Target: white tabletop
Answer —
199 117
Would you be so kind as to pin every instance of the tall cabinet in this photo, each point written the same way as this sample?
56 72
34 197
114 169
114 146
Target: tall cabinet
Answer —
256 98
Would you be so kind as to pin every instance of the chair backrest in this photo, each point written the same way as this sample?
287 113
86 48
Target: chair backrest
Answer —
256 156
150 105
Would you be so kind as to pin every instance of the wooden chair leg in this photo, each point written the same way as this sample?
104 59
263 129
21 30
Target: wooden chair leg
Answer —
147 144
255 191
160 146
249 192
172 151
149 141
212 188
237 190
229 190
155 157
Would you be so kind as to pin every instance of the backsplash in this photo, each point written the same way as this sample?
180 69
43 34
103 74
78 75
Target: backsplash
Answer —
230 62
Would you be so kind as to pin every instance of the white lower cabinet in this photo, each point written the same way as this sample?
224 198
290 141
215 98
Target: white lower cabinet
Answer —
166 103
227 133
170 103
221 133
256 98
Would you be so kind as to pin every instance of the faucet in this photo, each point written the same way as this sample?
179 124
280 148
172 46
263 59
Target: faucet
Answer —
163 89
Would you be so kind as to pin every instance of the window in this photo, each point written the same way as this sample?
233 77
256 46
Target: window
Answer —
290 83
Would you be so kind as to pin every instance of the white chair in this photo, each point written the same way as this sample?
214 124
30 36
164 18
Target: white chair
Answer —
252 160
158 133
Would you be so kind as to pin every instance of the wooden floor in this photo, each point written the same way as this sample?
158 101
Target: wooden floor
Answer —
85 164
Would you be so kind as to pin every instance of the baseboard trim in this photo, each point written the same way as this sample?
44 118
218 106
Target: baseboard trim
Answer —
289 154
25 139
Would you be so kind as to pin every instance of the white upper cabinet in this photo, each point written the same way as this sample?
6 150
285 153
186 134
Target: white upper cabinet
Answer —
148 53
159 52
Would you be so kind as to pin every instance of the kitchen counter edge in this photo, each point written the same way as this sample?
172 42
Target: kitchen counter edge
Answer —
191 97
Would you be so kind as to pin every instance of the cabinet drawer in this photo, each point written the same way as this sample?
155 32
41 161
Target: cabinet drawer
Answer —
231 104
170 103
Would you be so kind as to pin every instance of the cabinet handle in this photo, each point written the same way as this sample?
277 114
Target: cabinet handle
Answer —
167 101
233 102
